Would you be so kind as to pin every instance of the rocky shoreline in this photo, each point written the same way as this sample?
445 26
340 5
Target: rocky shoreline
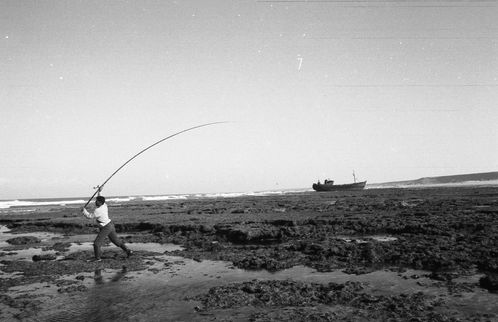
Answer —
448 233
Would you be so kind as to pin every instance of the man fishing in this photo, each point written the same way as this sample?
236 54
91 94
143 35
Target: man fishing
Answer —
105 225
106 228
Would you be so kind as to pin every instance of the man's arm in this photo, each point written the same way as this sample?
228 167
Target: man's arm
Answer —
87 214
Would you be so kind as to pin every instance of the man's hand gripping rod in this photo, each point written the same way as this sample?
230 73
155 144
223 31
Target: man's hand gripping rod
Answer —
99 189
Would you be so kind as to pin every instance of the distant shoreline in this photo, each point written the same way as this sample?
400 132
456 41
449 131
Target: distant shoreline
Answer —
29 204
401 184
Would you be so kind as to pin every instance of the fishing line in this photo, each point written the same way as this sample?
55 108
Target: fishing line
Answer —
99 187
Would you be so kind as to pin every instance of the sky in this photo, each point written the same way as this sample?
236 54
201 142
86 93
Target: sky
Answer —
394 90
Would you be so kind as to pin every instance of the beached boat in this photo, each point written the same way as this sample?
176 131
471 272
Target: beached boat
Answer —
329 185
338 187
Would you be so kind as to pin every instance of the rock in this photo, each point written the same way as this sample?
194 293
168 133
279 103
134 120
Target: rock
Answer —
44 257
61 246
369 253
314 249
291 294
489 282
72 289
442 276
206 229
249 233
358 270
23 240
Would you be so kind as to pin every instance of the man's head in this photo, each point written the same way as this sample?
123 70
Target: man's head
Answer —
99 201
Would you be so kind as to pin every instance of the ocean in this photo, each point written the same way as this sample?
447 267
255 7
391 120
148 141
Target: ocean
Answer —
27 205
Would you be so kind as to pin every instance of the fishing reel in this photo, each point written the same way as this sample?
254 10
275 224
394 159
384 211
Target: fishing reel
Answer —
98 188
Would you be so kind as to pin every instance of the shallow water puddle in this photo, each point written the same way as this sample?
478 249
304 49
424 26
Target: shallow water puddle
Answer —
77 243
162 289
25 254
151 247
366 239
5 235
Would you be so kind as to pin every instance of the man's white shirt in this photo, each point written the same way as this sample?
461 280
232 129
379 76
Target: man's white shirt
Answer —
100 214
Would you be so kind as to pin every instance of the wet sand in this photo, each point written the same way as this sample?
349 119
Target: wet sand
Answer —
372 255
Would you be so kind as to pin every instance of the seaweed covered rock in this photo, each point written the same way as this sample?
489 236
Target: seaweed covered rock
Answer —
249 233
23 240
489 282
44 257
347 299
278 293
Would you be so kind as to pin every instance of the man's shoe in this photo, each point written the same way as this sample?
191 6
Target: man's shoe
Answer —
93 260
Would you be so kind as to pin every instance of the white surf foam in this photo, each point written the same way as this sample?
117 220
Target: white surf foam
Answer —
24 203
165 197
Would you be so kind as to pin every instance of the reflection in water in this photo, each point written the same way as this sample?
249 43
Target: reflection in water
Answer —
119 275
159 294
98 276
115 278
160 291
105 301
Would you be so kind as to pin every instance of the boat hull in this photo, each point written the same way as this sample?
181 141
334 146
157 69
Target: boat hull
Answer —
339 187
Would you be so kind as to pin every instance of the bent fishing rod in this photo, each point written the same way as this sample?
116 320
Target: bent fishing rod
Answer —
99 187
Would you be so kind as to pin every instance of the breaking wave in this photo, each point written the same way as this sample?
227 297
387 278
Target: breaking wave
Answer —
28 205
121 199
166 197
